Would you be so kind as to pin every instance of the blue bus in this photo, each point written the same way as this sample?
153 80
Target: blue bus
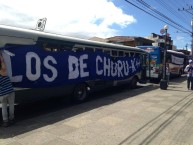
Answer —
176 61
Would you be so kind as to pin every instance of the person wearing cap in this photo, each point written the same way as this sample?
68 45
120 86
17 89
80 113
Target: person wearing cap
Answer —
7 95
189 70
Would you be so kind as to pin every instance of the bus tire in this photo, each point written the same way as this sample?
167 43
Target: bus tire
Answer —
134 82
80 93
180 73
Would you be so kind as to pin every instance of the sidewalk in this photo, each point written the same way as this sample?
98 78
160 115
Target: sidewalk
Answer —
132 117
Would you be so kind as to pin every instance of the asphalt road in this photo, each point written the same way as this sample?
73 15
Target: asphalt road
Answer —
117 116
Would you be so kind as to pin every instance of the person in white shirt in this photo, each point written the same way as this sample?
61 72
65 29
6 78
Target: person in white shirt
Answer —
189 70
168 72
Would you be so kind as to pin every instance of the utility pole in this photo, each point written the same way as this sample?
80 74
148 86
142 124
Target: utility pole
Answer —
188 10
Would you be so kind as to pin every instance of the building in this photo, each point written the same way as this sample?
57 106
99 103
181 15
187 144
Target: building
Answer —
98 39
130 41
154 39
159 40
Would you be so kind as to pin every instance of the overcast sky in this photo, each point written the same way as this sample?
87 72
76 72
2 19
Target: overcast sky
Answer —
82 18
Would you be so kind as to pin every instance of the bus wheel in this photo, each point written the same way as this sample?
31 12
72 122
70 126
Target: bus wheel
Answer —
80 93
180 73
134 82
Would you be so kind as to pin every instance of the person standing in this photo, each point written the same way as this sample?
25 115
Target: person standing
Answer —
168 72
7 95
189 70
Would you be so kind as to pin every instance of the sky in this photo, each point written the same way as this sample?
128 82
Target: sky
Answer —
96 18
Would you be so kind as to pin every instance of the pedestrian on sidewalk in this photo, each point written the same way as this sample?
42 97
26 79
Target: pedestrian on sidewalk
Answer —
7 95
168 72
189 70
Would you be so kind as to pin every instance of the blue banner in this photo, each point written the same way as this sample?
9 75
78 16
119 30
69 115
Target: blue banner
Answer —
30 66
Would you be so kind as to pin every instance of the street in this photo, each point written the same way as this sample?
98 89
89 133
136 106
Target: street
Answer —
146 115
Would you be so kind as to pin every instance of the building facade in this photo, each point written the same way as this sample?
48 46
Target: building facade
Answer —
130 41
159 40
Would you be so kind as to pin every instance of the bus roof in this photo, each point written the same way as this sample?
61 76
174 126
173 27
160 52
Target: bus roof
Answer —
155 47
16 34
176 52
158 47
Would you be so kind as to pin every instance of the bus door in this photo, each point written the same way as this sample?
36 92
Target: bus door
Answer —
154 66
156 63
148 66
145 68
153 69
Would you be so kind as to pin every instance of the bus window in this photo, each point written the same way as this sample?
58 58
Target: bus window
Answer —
137 54
121 54
51 47
65 48
132 54
89 49
99 50
114 53
127 54
107 52
78 49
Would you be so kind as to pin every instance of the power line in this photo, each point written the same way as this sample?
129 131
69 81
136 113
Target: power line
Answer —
187 10
161 14
158 15
170 8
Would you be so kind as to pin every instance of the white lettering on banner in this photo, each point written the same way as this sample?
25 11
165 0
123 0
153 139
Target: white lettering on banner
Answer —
73 61
107 66
7 59
83 66
177 60
73 73
37 74
98 72
120 67
113 69
29 75
133 65
137 63
126 68
51 68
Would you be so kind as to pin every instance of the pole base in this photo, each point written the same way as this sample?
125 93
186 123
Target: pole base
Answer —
163 84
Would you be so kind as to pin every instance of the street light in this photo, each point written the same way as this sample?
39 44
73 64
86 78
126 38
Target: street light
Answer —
165 51
163 82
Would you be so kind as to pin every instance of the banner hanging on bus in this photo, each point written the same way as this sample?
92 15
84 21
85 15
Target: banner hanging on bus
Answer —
177 60
31 67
